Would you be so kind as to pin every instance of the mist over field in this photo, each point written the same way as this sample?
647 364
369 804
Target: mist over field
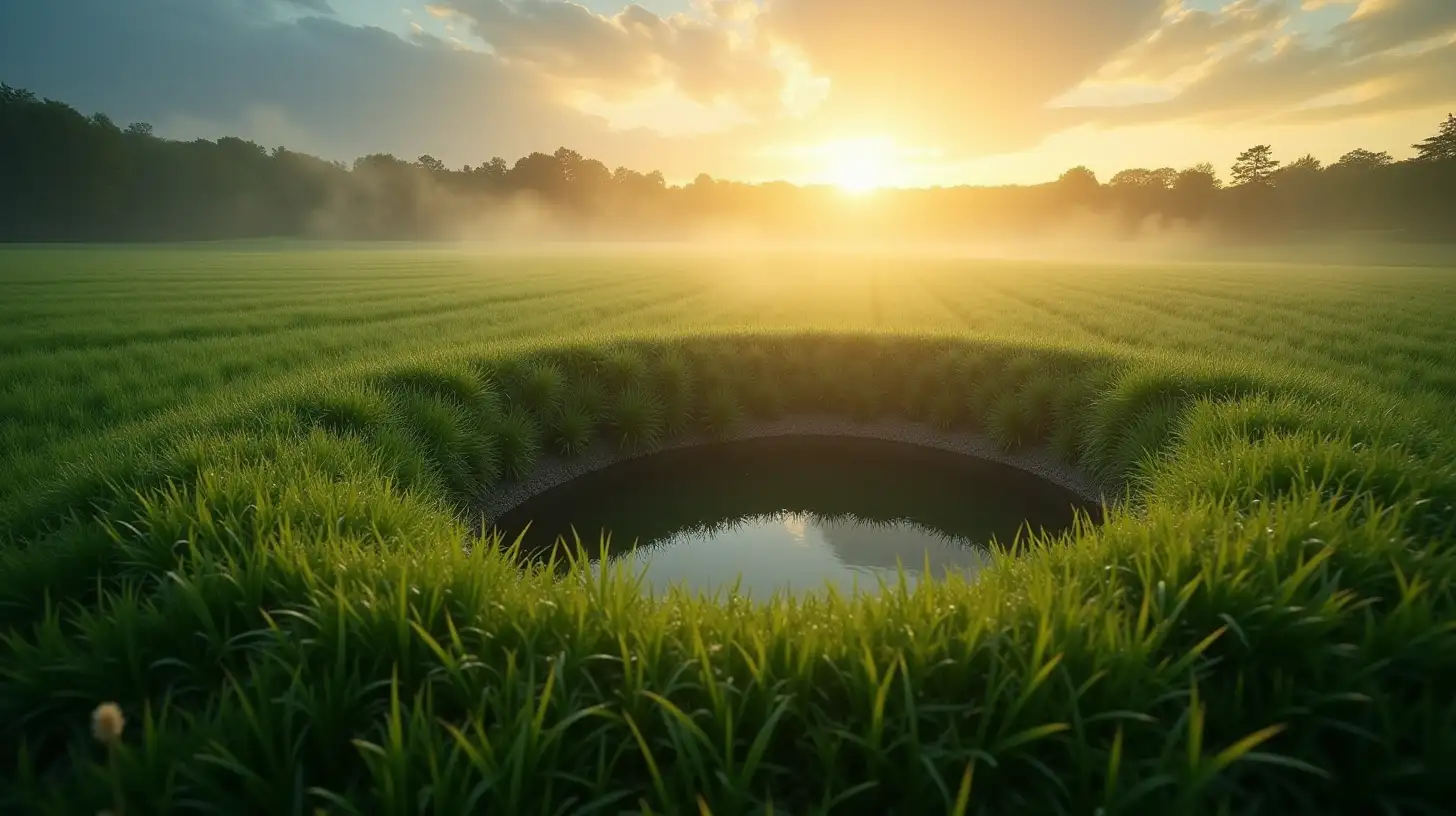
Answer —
126 184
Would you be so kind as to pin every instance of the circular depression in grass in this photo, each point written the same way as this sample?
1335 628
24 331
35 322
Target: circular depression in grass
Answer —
793 513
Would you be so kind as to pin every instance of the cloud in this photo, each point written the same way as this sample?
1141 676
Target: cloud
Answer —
321 6
353 89
1378 25
733 11
1406 82
623 55
1387 56
1190 36
971 76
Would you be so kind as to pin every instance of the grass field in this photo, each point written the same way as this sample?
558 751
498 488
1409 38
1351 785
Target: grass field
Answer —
236 480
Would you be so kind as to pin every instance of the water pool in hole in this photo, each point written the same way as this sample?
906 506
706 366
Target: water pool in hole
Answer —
792 513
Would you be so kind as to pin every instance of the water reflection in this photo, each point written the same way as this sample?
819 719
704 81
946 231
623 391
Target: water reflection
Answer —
794 514
799 552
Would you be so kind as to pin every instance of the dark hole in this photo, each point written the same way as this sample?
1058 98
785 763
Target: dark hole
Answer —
793 512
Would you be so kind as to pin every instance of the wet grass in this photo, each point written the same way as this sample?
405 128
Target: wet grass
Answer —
236 486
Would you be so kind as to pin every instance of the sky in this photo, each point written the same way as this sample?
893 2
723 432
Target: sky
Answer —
860 93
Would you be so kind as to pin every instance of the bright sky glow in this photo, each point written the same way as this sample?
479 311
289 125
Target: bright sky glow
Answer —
860 94
861 166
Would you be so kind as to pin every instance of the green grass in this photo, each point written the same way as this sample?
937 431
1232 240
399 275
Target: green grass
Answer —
236 487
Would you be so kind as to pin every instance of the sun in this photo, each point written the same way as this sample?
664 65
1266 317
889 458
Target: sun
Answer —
859 166
858 175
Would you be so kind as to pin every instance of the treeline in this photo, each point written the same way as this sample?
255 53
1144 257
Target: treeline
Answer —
65 176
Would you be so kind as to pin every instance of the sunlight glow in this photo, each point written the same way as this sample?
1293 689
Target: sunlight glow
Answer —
857 166
860 166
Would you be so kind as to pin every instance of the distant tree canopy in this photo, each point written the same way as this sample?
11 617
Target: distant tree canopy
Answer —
65 176
1255 166
1442 146
1358 159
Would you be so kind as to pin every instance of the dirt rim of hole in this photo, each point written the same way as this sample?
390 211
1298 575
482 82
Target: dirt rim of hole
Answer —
552 471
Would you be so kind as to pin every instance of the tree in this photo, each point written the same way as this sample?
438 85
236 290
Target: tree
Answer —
1198 180
1081 174
573 167
16 96
591 176
1198 177
494 171
1079 179
1255 166
378 162
142 129
1302 170
1360 159
541 173
1160 179
1304 164
1139 192
569 159
1131 177
1194 190
430 164
1442 146
1079 187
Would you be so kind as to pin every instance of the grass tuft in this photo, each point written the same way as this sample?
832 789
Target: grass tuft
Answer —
675 385
572 429
1006 422
721 413
518 437
346 411
637 420
450 438
542 388
623 369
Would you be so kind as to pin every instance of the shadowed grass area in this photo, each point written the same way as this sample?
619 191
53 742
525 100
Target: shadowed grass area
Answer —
276 588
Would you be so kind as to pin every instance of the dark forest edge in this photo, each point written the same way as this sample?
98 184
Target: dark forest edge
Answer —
70 177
